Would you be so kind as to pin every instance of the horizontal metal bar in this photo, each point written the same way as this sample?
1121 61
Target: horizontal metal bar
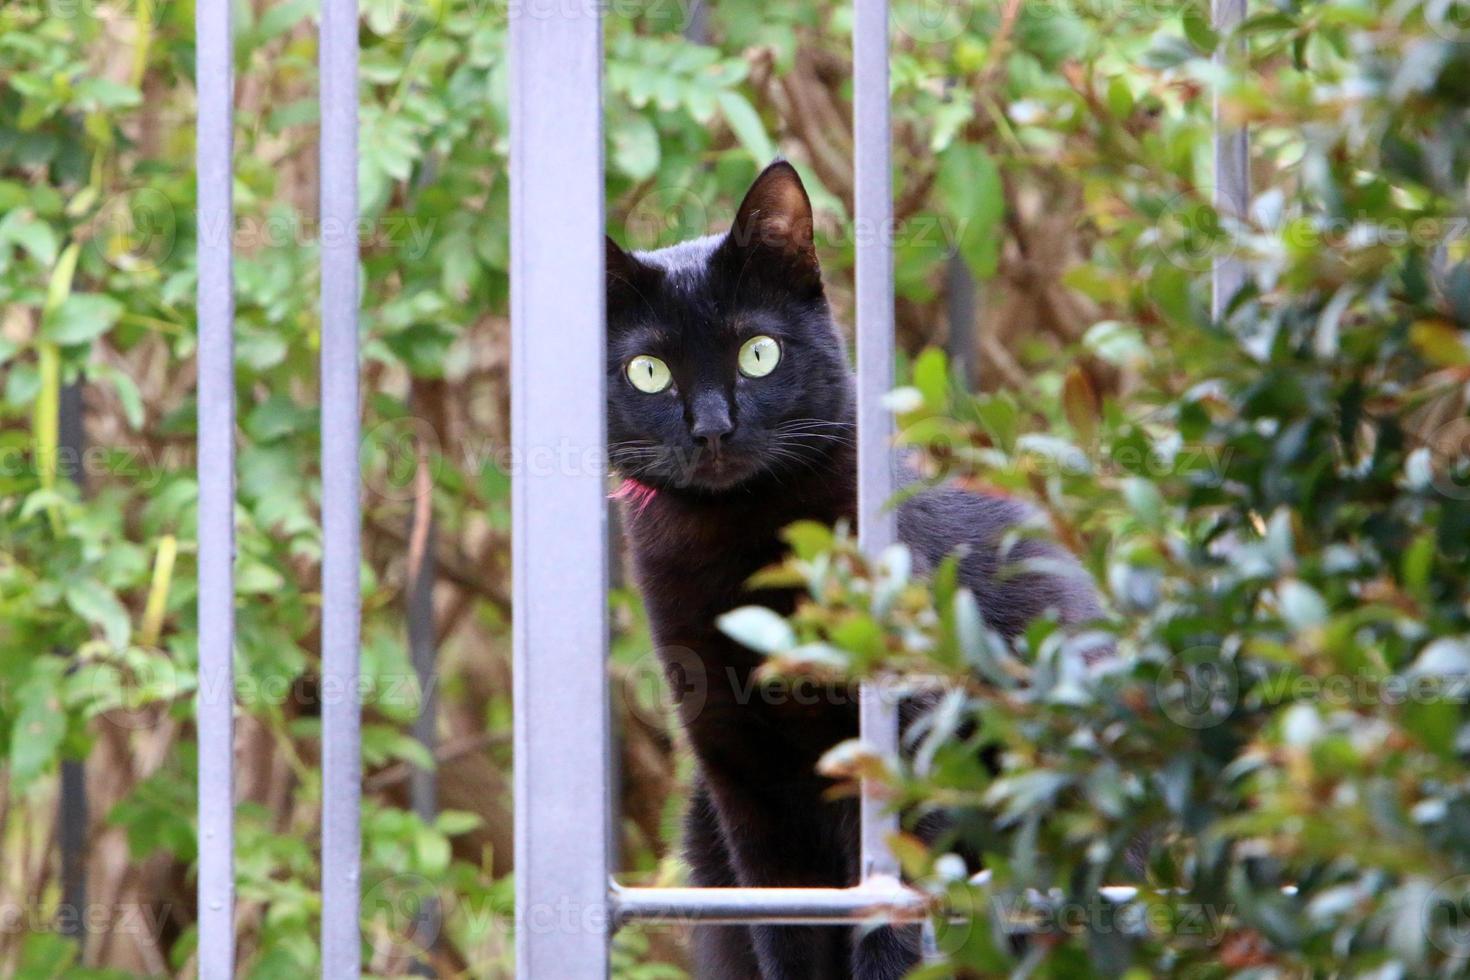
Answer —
877 898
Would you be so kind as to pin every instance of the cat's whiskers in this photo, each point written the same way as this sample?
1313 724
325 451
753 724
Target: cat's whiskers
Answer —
786 451
824 421
797 424
633 449
814 428
635 458
810 441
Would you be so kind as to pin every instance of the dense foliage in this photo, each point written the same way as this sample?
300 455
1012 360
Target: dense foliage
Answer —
1278 511
1271 501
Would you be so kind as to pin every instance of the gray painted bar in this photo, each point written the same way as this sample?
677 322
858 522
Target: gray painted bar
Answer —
873 200
71 816
792 906
562 794
214 702
960 309
1232 162
341 520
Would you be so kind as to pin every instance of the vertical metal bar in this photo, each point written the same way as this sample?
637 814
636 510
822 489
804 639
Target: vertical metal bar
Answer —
877 526
696 22
72 836
562 799
71 814
71 435
963 343
341 522
1232 162
215 707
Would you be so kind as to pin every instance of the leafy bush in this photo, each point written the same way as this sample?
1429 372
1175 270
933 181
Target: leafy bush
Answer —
1275 504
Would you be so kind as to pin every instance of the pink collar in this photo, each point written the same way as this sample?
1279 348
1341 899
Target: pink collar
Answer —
639 494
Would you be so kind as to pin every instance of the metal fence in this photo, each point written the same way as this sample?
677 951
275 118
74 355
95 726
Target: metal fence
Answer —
566 902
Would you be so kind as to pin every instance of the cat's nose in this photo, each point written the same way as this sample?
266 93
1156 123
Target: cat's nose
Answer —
708 433
711 422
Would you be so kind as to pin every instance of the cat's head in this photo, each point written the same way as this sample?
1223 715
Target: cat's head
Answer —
724 366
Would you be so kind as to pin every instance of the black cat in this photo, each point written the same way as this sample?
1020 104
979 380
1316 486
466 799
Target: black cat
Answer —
731 415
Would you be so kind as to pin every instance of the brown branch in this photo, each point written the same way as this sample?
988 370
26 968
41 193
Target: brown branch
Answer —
390 776
454 565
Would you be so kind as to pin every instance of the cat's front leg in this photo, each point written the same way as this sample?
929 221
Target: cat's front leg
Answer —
718 952
789 836
802 952
886 953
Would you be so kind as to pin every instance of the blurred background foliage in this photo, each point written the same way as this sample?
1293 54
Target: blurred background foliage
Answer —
1274 502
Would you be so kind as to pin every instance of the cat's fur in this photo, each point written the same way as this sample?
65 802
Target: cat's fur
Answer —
706 512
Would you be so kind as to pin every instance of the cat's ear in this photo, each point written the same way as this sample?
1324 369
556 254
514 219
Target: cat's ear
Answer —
627 278
773 229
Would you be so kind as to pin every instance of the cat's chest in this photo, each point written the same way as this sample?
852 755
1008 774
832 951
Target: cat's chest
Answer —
693 564
689 576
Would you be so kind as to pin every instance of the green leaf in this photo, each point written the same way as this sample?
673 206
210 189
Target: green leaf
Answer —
808 539
970 185
1418 563
83 317
1197 29
33 234
431 850
126 390
635 149
281 17
903 400
931 377
257 578
47 955
452 823
758 628
1120 98
45 420
40 722
1145 501
746 124
1000 417
983 648
860 636
1115 342
99 606
1027 794
1301 605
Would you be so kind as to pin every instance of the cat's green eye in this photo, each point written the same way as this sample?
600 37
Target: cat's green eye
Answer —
649 374
759 356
